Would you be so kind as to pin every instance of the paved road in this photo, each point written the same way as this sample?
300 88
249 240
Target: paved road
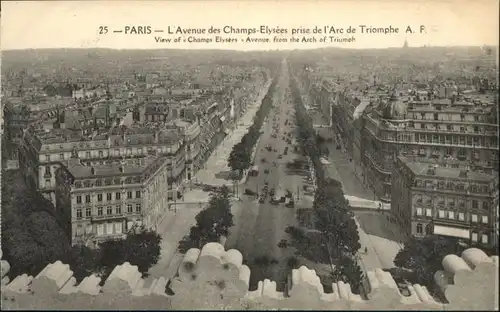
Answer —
260 227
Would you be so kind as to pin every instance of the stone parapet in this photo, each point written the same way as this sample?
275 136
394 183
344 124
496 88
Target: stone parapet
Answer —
213 278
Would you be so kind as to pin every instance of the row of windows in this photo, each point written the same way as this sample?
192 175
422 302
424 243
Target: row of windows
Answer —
109 196
109 211
450 202
474 235
101 229
451 215
477 141
446 116
116 152
449 185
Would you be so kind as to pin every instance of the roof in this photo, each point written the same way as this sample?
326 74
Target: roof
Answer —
130 167
421 169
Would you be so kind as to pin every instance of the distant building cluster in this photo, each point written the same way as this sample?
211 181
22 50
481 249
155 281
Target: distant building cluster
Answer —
122 153
429 146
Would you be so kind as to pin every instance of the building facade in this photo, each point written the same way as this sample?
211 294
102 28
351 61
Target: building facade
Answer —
103 202
430 199
455 133
43 153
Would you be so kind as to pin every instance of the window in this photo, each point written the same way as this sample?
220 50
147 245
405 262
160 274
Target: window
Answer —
474 204
117 152
109 210
109 196
419 228
117 195
99 197
137 194
137 207
88 229
118 228
88 212
87 154
474 237
79 230
47 157
485 205
118 210
79 213
129 195
451 215
484 219
484 239
428 212
101 154
441 213
461 216
129 208
78 199
98 183
109 228
474 218
100 229
419 211
87 198
61 156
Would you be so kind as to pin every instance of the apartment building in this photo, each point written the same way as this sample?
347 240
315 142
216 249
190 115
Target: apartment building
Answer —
103 201
42 153
456 132
431 199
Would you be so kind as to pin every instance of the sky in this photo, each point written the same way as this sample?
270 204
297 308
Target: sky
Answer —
63 24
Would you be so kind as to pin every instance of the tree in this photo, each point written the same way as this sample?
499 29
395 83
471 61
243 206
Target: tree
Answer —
32 237
423 257
212 223
141 247
83 261
239 158
347 270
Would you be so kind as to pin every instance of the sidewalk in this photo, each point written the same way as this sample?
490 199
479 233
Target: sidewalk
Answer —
217 162
380 251
173 228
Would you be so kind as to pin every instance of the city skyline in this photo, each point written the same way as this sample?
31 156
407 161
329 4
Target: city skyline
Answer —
76 24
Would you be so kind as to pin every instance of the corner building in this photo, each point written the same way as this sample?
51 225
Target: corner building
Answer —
429 199
103 202
456 133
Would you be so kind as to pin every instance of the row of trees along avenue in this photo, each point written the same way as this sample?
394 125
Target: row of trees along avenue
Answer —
32 238
240 158
331 237
212 223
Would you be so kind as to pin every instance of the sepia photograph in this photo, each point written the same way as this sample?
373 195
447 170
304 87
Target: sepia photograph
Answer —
249 155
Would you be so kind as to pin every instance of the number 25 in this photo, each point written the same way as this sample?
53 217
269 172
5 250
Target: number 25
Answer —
103 30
